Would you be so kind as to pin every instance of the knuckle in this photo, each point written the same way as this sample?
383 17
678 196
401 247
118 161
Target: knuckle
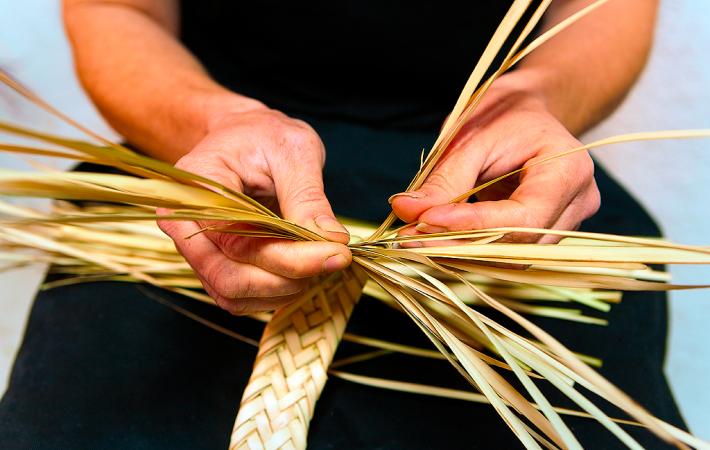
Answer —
290 262
474 219
307 193
577 169
248 251
305 127
589 167
227 242
299 261
299 137
563 175
585 167
593 202
270 115
439 181
229 285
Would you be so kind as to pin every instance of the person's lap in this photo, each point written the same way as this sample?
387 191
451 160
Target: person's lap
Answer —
104 366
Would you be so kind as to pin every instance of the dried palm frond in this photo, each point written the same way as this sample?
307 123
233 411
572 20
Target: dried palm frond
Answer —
110 242
441 288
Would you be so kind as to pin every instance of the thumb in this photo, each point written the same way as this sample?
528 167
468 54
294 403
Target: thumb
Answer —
299 190
454 174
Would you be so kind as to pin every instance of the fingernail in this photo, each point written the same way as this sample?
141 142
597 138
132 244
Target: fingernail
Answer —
426 228
329 224
406 194
335 263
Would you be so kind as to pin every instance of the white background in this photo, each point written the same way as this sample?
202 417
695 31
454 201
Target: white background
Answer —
669 178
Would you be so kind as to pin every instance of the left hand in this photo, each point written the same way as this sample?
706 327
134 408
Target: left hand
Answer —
510 129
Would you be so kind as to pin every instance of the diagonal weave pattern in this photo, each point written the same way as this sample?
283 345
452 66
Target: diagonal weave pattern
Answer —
291 367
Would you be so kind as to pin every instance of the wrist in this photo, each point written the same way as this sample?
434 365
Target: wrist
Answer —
190 115
549 91
217 108
516 91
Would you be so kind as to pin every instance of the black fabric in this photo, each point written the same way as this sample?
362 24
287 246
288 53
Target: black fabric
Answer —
102 366
386 63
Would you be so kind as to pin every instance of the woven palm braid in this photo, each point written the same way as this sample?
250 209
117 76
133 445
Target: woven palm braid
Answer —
291 366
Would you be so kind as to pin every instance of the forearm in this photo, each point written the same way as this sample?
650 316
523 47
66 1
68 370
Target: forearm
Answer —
583 73
144 82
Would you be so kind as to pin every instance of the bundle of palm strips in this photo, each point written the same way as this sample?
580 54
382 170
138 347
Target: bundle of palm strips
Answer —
445 289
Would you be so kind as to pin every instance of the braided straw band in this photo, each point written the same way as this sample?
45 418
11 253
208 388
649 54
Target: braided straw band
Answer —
290 369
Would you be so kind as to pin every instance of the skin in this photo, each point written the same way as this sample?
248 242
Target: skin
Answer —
558 91
159 97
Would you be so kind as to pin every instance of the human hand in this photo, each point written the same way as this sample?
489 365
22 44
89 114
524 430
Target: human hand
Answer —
511 128
278 160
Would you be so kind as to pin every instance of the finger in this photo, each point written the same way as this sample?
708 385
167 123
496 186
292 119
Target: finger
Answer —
412 231
544 193
286 258
483 215
211 166
250 305
455 173
583 207
243 306
563 224
221 276
298 180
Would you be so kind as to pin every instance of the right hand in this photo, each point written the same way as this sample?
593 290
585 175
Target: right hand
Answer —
278 160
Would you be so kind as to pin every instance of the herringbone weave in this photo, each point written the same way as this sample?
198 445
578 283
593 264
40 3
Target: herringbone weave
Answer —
291 367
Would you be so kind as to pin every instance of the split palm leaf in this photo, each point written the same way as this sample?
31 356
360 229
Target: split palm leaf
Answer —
441 288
